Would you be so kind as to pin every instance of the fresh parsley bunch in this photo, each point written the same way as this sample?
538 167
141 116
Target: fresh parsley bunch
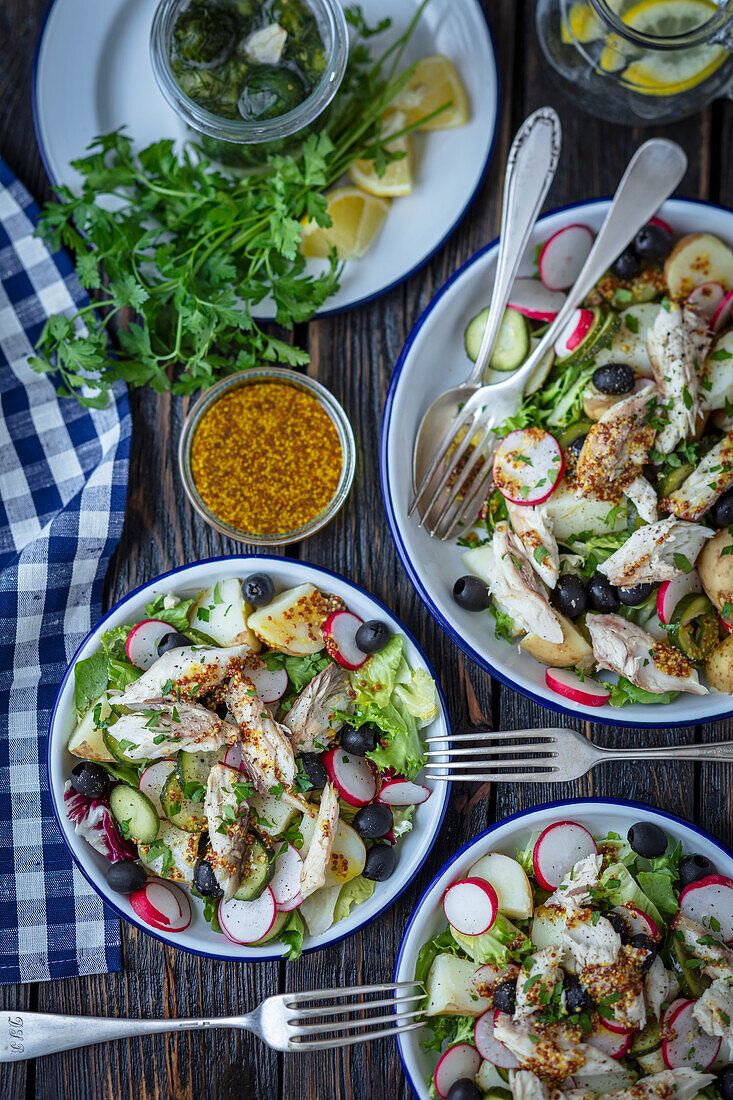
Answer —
189 252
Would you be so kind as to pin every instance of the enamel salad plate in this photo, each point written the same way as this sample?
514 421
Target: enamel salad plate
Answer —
432 360
198 937
93 74
599 816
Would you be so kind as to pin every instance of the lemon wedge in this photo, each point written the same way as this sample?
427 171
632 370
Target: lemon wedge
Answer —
357 218
673 71
583 25
397 176
433 83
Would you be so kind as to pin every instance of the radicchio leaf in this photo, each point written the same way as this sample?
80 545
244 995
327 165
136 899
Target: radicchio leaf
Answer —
94 821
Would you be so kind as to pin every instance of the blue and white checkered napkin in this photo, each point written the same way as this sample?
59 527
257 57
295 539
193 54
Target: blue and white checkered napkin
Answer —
63 483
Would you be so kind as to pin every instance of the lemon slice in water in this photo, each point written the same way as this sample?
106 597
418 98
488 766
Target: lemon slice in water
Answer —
667 72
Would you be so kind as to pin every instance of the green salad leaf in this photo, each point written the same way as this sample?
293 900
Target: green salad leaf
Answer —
619 886
352 893
177 616
375 681
429 951
447 1030
502 941
292 936
91 677
625 692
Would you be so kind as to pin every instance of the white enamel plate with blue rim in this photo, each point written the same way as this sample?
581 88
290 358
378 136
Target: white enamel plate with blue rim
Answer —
93 75
599 816
432 360
412 850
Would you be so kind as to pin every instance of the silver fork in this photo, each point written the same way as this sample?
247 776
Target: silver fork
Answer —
285 1022
651 176
549 755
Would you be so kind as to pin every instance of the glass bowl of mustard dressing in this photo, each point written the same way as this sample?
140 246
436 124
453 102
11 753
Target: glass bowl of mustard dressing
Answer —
267 456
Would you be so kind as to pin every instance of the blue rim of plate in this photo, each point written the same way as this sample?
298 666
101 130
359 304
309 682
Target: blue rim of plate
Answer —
269 956
390 286
628 802
405 558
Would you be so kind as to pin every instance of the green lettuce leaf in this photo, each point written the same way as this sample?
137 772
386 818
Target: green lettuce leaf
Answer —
177 616
418 695
375 681
619 886
122 673
658 886
292 936
494 946
91 677
352 893
427 954
625 692
445 1032
400 747
402 820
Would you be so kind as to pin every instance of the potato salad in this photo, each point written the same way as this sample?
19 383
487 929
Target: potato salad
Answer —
257 748
606 542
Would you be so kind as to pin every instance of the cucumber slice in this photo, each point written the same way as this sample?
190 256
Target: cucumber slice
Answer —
675 478
270 815
598 336
693 982
181 810
573 432
512 342
647 1040
258 871
694 627
117 748
135 813
281 919
194 767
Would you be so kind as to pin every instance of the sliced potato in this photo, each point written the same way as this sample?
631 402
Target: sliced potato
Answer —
293 621
273 814
570 514
182 846
716 386
510 882
222 612
695 259
348 856
450 988
719 666
87 739
716 569
573 652
317 909
488 1078
595 403
653 1062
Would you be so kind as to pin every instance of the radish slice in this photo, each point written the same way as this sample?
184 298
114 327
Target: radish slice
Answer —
723 314
706 298
574 333
152 780
670 1011
288 906
462 1060
563 255
533 300
233 757
493 1050
558 849
710 900
285 883
671 592
567 682
141 646
162 905
270 684
637 921
470 906
247 921
400 792
613 1043
685 1044
339 631
353 775
528 465
656 220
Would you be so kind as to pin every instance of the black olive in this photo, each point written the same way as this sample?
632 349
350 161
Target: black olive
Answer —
618 924
372 636
314 770
464 1089
505 996
577 997
471 593
652 243
643 942
126 877
614 378
725 1081
569 596
576 446
647 839
693 868
602 594
204 879
90 779
721 513
358 742
626 265
635 595
373 821
174 640
258 589
380 862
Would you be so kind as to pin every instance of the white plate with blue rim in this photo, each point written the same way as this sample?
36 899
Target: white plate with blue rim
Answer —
92 74
432 360
600 816
199 938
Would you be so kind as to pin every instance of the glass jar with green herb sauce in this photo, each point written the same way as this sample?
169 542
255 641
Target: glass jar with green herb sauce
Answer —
250 76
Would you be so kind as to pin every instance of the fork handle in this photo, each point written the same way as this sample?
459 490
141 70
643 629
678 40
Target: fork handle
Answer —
32 1034
714 750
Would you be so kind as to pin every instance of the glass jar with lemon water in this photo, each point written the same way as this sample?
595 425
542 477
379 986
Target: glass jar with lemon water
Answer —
639 61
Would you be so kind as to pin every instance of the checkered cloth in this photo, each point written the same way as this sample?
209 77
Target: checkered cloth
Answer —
63 483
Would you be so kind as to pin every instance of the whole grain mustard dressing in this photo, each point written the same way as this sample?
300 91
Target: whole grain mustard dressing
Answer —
266 458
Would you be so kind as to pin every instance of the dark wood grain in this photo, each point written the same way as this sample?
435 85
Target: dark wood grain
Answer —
353 354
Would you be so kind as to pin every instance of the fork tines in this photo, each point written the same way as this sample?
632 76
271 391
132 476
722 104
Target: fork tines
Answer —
322 1027
493 756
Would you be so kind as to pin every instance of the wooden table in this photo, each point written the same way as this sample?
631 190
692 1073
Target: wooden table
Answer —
352 354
